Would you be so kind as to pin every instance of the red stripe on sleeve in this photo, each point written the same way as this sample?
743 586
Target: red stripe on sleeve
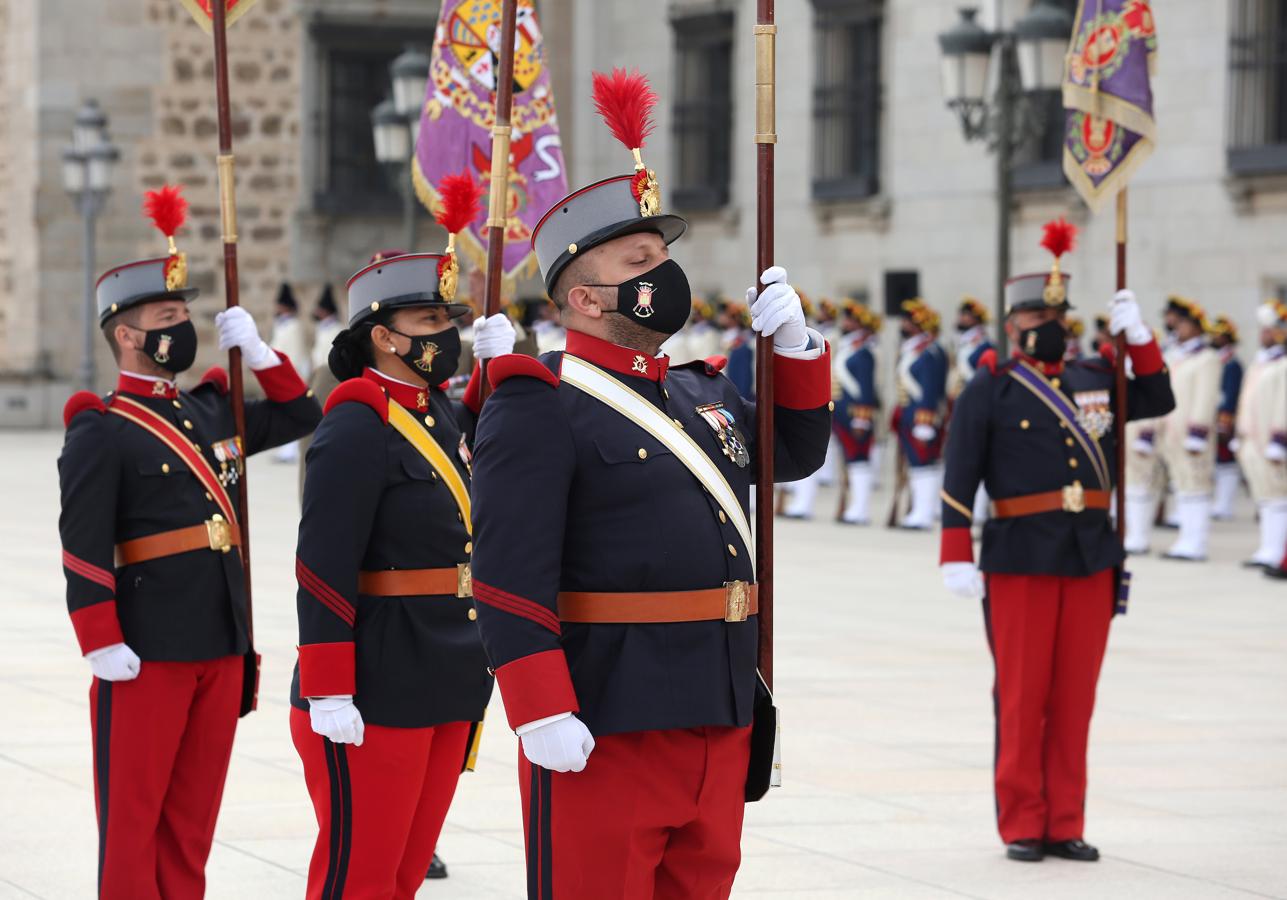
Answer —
324 593
519 606
89 570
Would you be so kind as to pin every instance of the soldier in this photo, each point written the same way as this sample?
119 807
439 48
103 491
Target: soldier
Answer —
1186 438
616 606
858 409
1102 337
1076 329
737 345
155 583
1261 442
703 336
392 681
1038 431
326 325
922 383
1224 338
972 342
288 336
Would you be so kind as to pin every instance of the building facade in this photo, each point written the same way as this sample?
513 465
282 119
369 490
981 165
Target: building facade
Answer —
878 194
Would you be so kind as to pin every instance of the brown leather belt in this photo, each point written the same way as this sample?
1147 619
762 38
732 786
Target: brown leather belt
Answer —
215 534
455 581
1073 498
733 603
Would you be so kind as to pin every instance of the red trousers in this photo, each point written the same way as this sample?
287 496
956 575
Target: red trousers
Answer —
161 749
380 807
655 814
1047 635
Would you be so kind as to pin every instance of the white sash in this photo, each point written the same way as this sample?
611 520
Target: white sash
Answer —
620 398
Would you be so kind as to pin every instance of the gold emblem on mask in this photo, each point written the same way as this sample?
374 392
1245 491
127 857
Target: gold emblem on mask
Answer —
427 356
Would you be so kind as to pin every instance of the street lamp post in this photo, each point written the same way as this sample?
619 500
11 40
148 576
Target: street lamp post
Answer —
1029 61
395 124
87 178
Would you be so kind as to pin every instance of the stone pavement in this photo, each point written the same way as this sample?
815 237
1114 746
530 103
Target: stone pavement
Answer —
884 682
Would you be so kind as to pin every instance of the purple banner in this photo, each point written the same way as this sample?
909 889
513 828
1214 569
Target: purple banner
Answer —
1108 96
459 111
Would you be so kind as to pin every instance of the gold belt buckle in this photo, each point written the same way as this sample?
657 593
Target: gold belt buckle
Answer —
737 601
1074 498
464 581
219 533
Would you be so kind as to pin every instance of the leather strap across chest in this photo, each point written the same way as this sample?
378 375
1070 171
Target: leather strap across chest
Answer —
595 383
437 458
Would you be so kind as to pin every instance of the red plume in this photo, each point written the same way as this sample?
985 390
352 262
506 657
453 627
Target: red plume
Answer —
625 100
1059 237
166 208
460 195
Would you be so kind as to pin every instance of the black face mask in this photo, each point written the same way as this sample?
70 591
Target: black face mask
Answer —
434 357
1047 342
173 348
659 299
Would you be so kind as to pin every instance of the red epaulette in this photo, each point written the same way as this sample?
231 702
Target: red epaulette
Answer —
988 360
515 365
360 390
80 401
711 365
216 377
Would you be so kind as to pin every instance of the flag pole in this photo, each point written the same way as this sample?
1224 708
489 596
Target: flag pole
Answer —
765 139
228 220
1119 419
498 200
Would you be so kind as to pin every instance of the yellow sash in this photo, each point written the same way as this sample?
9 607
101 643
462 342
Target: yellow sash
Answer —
437 458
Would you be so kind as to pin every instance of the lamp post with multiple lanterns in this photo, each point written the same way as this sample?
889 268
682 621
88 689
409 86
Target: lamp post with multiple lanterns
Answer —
1020 65
395 123
87 177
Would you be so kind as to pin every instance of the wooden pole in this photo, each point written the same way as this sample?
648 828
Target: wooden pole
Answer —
228 218
498 201
765 139
1119 418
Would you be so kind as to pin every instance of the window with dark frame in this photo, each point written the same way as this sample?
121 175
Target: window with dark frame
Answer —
353 67
1039 160
702 120
847 95
1257 88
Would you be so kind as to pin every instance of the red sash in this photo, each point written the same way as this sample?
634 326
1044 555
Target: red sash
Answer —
174 439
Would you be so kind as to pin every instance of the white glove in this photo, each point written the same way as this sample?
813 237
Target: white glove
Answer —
963 579
115 662
336 718
1235 445
1142 447
237 329
1276 452
778 313
924 433
493 336
1124 316
1194 444
561 745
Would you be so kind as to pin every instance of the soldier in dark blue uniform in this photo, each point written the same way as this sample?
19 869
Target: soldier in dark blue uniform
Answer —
857 407
155 584
1038 432
613 562
1224 338
918 418
392 680
737 344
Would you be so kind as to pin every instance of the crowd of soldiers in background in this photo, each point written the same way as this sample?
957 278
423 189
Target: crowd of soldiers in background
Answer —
1184 471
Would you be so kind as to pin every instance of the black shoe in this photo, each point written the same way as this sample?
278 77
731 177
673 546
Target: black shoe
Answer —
1078 850
1025 851
1255 564
1275 572
437 869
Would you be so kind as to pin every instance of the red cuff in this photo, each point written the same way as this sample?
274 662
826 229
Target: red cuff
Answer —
97 626
327 670
281 383
956 546
473 398
536 687
1146 359
802 383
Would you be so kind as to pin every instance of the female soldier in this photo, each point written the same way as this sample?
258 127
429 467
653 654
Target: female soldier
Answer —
391 673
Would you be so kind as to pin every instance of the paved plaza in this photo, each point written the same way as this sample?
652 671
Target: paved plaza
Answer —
884 683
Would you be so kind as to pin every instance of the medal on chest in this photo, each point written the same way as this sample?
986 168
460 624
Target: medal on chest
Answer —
231 460
1094 414
731 441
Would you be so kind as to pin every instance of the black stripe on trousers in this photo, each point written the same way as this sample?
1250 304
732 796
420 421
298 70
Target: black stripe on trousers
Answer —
341 838
102 767
540 855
